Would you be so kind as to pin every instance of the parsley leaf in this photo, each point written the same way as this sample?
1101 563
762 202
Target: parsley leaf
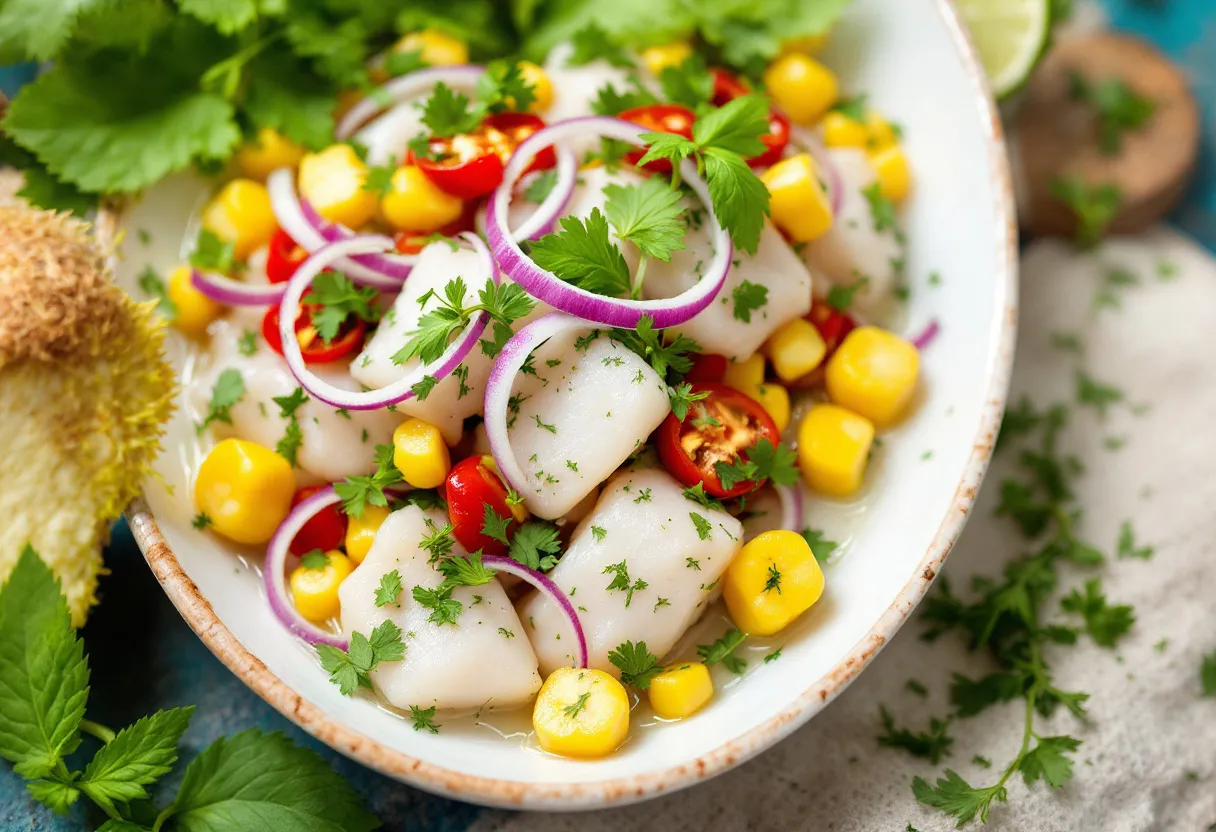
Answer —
541 186
444 608
703 527
697 494
740 199
211 254
723 650
638 665
389 589
610 102
1105 624
448 113
424 719
288 447
748 297
349 669
882 210
764 462
495 526
690 84
931 744
822 549
1048 760
1096 394
339 298
621 581
1119 108
955 796
228 390
681 397
1095 206
647 342
465 571
504 303
840 298
536 545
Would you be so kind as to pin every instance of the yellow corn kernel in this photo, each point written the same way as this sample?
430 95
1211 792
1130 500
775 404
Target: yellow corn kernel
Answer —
809 45
658 58
361 531
268 152
795 349
435 47
413 203
314 586
542 86
894 175
195 311
882 132
840 130
833 449
581 713
420 454
680 690
775 400
797 201
332 181
245 489
773 580
241 214
746 375
802 87
873 373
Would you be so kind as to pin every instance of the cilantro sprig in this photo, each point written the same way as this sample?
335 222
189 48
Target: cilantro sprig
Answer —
360 491
226 393
638 665
45 676
722 141
338 299
349 669
723 650
764 462
505 303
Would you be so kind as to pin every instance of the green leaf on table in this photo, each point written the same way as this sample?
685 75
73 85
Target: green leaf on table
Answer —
139 755
1105 623
256 781
44 677
1049 760
56 796
955 796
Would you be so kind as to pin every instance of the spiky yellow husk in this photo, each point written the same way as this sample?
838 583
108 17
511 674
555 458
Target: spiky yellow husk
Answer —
84 393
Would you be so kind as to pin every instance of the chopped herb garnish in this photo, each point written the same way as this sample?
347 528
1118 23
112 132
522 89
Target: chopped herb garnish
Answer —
722 651
638 665
748 297
444 608
424 719
389 589
703 526
202 521
599 533
349 669
622 582
228 390
247 345
360 491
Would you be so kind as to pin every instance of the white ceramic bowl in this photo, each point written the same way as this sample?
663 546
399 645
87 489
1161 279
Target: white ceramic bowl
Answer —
914 60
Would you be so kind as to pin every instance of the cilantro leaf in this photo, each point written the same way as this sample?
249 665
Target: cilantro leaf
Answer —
840 298
971 697
465 571
81 121
582 254
740 199
536 546
1048 760
289 404
647 342
211 254
1096 394
703 527
648 215
444 608
764 462
955 796
735 127
882 210
931 744
621 581
502 87
494 525
1119 108
138 756
748 297
592 43
360 491
424 718
541 186
37 29
284 96
42 668
264 781
681 397
349 669
822 549
1095 206
638 665
339 298
228 390
227 16
723 650
610 102
1105 624
389 589
448 113
690 84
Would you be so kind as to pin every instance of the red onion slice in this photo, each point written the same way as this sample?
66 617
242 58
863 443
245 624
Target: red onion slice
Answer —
501 563
235 293
274 578
399 390
551 289
927 335
792 517
498 389
311 232
403 88
805 138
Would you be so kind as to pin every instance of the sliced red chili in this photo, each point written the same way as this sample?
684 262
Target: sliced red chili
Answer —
470 165
283 257
312 347
706 366
719 428
659 118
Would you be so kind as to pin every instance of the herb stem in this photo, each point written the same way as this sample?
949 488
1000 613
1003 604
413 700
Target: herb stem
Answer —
639 278
168 812
97 730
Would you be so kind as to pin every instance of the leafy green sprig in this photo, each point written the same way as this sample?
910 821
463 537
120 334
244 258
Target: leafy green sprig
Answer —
505 303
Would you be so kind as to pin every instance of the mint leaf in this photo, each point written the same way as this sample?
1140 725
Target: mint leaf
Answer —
44 678
264 781
139 755
54 795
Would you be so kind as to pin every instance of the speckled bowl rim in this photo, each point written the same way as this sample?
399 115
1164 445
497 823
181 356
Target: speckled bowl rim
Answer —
198 613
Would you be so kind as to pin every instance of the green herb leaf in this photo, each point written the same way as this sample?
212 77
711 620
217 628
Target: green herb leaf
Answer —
1095 206
882 210
228 390
748 297
444 608
1048 760
621 581
465 571
211 254
138 756
647 342
1105 624
1126 546
681 398
821 548
389 589
931 745
424 719
648 215
1118 107
150 282
339 299
536 545
592 43
723 650
703 527
316 559
956 797
360 491
582 254
638 665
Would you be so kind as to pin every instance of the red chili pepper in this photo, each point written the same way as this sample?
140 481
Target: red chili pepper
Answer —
312 347
706 366
283 257
659 118
470 165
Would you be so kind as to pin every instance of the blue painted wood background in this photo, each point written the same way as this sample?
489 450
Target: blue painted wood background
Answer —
144 657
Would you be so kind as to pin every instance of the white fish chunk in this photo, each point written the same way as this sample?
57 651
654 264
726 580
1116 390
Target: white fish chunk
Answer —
333 446
580 417
674 551
853 248
575 87
482 659
454 398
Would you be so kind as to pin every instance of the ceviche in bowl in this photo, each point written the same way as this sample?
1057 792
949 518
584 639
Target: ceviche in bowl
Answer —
529 425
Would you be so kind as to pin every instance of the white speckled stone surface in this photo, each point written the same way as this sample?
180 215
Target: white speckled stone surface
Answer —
1149 725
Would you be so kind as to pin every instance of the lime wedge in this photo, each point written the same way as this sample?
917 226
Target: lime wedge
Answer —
1011 36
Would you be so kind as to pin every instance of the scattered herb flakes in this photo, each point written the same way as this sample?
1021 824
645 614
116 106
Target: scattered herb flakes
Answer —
599 533
882 210
723 650
424 719
1067 341
1162 645
982 762
841 298
1207 675
773 656
247 345
748 297
1096 394
1114 443
916 687
692 564
444 608
621 581
1118 108
1094 206
152 285
662 602
772 582
703 526
1166 270
1105 623
932 744
1126 546
227 392
505 633
202 521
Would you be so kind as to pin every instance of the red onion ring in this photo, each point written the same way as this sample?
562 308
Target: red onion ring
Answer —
401 88
275 581
792 517
927 335
498 390
502 563
807 140
551 289
310 231
399 390
224 289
